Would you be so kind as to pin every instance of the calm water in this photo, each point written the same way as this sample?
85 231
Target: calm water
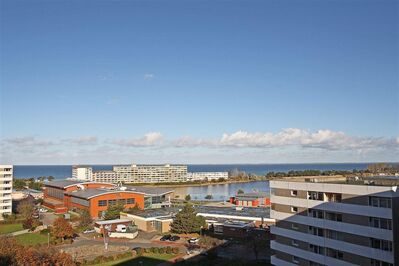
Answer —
221 192
63 171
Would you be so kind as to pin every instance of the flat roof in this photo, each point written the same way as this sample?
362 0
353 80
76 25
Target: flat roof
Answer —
386 181
113 221
155 191
258 212
62 183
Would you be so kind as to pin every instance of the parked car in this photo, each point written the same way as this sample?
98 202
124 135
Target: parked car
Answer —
174 238
165 237
88 231
193 240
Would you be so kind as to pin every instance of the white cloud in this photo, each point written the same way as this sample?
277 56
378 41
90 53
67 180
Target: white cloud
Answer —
149 139
84 140
149 76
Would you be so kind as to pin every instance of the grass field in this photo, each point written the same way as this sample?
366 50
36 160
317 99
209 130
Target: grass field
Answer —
9 228
31 239
145 260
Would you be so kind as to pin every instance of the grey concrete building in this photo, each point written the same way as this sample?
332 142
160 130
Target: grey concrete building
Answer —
335 222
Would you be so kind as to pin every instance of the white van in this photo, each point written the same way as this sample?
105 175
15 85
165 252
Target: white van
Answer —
121 228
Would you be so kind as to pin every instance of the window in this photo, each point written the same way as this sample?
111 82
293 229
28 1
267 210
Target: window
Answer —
122 201
102 203
294 226
380 263
316 231
380 223
316 249
313 195
381 244
294 242
130 201
380 202
334 216
333 197
315 213
295 259
333 234
112 202
294 193
294 209
335 254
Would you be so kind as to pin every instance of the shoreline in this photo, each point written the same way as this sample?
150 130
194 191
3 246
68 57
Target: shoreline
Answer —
193 185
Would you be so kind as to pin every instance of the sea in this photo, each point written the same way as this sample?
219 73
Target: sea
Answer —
64 171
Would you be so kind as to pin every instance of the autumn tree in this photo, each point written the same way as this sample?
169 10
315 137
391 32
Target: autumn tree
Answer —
12 253
85 218
26 208
62 229
187 221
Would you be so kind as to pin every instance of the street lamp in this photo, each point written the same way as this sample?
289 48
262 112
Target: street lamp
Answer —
48 239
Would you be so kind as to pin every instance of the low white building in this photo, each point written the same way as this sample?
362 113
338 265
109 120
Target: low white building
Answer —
207 176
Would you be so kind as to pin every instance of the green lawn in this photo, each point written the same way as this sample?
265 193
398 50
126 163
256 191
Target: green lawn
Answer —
31 239
9 228
146 260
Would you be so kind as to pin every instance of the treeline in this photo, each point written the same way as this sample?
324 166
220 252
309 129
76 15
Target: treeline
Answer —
37 184
383 167
310 173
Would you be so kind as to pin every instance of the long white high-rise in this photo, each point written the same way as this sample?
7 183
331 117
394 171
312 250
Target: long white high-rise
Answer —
6 175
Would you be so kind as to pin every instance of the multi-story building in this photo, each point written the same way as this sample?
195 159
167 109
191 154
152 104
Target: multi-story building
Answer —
335 222
64 195
82 172
151 173
105 176
6 175
207 176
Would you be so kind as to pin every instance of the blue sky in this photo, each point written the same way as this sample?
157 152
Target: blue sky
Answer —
199 81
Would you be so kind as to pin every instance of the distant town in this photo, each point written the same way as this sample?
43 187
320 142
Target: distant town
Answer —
97 217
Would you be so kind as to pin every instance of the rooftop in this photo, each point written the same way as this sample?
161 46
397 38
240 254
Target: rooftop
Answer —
387 181
93 192
228 211
62 183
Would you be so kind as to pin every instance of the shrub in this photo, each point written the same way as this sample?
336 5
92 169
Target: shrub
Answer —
161 250
168 250
152 250
175 250
140 251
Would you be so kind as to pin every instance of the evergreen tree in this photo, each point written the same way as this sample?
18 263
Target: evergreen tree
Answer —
186 221
85 218
113 212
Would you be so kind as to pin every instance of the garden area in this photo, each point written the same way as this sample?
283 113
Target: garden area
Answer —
10 228
32 239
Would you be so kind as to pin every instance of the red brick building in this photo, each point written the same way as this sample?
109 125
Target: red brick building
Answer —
255 199
64 195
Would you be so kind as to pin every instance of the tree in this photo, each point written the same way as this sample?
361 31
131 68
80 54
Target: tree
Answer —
50 178
187 221
240 191
134 209
113 212
85 218
26 208
19 184
61 228
208 197
188 197
12 253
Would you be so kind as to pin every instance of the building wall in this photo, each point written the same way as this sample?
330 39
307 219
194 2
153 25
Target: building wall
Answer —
95 209
6 177
340 221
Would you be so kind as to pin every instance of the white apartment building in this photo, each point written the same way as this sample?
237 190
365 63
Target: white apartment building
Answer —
207 176
105 176
143 174
82 172
6 176
335 222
